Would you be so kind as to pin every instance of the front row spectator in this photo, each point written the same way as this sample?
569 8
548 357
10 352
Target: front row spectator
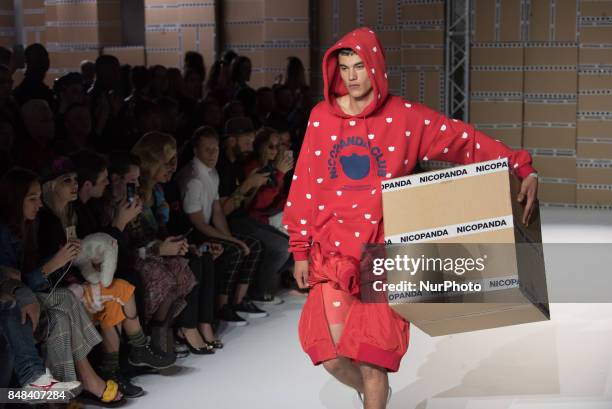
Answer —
69 335
239 261
166 275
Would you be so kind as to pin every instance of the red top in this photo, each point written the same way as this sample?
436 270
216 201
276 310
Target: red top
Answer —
268 200
335 198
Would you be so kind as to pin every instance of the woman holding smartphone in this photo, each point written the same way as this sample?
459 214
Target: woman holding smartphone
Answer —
267 205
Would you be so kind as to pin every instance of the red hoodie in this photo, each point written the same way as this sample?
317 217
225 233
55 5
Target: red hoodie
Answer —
335 206
335 198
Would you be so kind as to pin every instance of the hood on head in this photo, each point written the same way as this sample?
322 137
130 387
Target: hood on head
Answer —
366 44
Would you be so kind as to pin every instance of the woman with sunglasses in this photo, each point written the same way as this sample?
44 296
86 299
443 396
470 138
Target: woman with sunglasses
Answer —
269 156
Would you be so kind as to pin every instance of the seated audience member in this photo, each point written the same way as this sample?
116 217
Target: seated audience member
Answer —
7 58
19 307
76 134
165 273
193 84
238 263
264 105
159 82
267 205
233 109
35 151
217 85
88 71
7 139
69 90
109 307
236 191
106 100
69 335
33 85
168 116
92 176
199 307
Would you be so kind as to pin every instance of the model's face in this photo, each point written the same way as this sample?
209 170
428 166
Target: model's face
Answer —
355 76
98 189
207 151
67 187
272 147
32 202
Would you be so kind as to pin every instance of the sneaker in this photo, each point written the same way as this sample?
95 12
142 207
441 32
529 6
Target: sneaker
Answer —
126 387
47 382
268 300
227 314
246 309
150 357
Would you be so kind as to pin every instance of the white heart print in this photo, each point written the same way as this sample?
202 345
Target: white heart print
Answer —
316 124
357 234
427 122
308 196
352 123
318 153
389 120
336 303
320 180
370 136
391 148
337 243
302 221
321 207
334 137
368 216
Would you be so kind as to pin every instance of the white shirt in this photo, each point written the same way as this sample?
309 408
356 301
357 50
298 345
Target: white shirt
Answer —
199 187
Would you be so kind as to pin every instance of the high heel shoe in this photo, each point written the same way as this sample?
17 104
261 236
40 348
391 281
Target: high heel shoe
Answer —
206 350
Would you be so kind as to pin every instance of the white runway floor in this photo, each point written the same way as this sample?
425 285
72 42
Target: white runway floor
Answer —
565 363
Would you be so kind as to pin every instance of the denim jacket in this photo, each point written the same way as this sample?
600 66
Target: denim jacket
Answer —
11 253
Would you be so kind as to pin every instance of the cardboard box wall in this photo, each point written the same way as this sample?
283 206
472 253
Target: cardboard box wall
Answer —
463 200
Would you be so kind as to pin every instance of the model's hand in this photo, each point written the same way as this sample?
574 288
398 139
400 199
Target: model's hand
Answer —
529 197
300 273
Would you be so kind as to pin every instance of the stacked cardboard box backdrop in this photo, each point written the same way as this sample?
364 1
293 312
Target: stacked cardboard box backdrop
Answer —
412 32
268 32
594 138
7 24
561 85
173 28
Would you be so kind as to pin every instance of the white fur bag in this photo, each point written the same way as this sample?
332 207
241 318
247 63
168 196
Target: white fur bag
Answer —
102 250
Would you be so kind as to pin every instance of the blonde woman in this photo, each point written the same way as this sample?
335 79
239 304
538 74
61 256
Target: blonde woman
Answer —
58 226
166 274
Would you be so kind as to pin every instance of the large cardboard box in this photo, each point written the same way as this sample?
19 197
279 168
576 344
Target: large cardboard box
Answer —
470 205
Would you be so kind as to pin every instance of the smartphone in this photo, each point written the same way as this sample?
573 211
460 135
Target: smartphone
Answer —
130 192
184 236
204 248
289 154
71 233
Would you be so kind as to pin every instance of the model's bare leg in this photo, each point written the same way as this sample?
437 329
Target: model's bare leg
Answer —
376 386
342 368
